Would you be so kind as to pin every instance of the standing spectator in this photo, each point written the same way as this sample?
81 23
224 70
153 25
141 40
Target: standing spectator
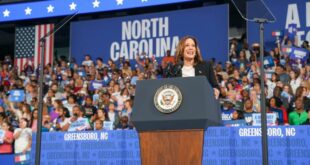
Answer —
113 116
255 101
283 76
34 120
70 103
101 115
87 60
89 109
168 60
7 141
23 137
295 80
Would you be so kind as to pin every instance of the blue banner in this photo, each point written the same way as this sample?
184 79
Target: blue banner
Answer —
152 34
242 145
292 17
222 145
105 147
53 8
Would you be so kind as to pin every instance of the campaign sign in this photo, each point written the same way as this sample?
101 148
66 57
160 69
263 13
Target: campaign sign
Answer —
234 123
78 124
153 34
268 61
271 119
108 125
292 17
299 55
17 95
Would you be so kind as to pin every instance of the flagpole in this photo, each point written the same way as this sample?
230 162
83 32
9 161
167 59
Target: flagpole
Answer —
41 85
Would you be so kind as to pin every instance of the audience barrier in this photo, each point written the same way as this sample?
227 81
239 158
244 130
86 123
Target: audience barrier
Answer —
222 145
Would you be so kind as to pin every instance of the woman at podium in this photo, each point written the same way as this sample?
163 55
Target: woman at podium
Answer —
189 62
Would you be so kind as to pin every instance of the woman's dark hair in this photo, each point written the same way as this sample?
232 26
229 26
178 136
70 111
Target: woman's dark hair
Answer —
277 100
180 50
31 120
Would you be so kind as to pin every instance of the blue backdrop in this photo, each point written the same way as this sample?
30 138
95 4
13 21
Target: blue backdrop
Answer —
152 33
286 12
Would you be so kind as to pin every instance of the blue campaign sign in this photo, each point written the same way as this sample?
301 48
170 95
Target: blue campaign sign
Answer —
79 125
53 8
17 95
290 15
152 34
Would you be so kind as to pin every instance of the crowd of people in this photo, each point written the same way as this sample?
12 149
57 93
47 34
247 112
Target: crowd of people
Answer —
99 95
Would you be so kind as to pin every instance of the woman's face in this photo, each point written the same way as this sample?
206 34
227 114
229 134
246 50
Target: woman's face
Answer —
190 49
273 77
35 114
292 75
286 88
100 113
22 123
235 115
248 104
272 102
5 126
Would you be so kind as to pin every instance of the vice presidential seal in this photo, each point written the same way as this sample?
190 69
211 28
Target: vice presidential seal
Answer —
168 98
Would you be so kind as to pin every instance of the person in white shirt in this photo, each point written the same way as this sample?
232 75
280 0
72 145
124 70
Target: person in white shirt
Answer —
295 80
87 61
23 137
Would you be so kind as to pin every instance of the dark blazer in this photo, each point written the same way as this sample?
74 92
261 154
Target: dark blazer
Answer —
201 69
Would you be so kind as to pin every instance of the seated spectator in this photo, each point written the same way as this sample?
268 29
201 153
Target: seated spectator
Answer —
98 125
248 111
299 116
227 110
89 109
62 120
124 123
276 107
77 122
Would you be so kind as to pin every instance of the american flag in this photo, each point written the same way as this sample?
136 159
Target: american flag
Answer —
27 46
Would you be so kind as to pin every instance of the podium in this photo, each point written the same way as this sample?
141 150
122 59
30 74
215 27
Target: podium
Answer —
174 137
